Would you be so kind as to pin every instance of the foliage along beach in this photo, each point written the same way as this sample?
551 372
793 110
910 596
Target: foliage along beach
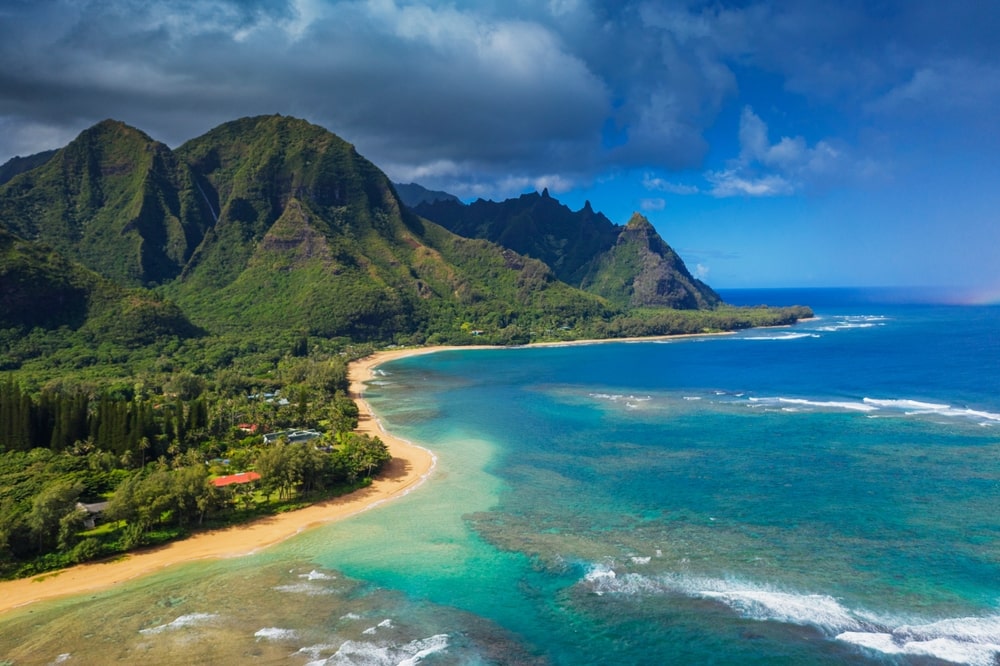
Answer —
409 466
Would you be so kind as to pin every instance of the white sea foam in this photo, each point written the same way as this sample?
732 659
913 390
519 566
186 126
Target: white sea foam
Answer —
907 407
384 624
617 397
636 559
822 404
309 589
783 336
188 620
372 654
898 407
317 575
970 640
275 634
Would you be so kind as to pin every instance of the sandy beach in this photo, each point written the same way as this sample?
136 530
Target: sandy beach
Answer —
409 466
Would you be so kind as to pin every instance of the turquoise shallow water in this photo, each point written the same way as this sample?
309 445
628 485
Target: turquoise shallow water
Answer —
828 493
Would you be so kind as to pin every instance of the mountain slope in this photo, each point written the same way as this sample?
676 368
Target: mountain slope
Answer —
641 270
17 165
630 266
311 235
412 194
39 288
113 199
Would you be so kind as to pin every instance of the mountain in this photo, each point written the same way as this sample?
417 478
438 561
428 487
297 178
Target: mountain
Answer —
631 266
641 270
412 194
114 200
39 288
274 224
270 228
16 165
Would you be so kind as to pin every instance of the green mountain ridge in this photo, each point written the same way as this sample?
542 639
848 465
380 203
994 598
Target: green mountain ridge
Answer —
272 223
270 227
630 266
17 165
114 200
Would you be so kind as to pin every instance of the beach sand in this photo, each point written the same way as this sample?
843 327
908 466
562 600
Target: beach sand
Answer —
409 466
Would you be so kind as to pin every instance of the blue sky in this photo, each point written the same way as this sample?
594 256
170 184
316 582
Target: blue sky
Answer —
772 143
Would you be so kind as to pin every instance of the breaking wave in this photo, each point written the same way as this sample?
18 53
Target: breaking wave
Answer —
374 654
880 407
188 620
275 634
967 640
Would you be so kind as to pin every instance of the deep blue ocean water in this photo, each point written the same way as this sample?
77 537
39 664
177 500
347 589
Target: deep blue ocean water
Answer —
823 493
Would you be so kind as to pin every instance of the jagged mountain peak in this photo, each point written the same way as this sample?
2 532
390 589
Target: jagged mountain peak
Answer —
632 266
639 222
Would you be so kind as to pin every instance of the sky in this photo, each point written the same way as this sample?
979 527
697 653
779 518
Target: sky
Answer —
772 143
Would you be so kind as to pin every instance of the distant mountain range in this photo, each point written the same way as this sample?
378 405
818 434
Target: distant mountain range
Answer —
629 265
271 223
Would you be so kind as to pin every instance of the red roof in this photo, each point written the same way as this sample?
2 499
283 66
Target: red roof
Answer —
242 477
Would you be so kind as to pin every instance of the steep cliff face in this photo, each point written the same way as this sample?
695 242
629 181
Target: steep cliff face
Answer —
631 266
113 199
641 270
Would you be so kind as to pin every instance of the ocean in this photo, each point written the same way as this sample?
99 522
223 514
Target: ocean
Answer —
827 493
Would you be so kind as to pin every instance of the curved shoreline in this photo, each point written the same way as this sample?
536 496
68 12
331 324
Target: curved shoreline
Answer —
410 466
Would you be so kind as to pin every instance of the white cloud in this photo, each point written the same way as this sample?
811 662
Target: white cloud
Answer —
701 271
651 182
732 183
765 169
652 204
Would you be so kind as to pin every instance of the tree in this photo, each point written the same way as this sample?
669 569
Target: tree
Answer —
358 453
343 413
48 509
277 473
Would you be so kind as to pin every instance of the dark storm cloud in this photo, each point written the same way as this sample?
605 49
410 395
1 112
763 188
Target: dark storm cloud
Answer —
483 97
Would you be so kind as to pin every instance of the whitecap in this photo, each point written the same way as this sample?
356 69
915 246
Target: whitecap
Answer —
275 634
784 336
384 624
908 407
317 575
970 640
822 404
308 589
636 559
188 620
372 654
816 610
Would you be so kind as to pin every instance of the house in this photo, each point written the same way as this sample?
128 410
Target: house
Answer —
295 435
93 511
228 480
